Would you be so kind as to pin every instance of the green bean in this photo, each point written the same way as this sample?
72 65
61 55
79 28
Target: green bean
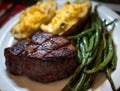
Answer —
82 47
98 33
98 57
115 20
110 79
85 42
95 53
104 40
91 43
91 59
94 15
97 38
100 52
98 24
87 84
80 83
95 10
82 78
79 55
105 34
113 61
106 61
105 52
74 77
81 34
78 70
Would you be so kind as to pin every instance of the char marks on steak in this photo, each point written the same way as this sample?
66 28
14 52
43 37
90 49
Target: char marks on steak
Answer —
44 58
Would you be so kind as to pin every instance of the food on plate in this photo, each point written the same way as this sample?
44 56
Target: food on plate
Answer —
45 57
95 51
44 16
31 19
68 19
48 57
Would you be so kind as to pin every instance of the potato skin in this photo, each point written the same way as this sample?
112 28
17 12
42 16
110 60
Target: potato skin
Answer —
68 19
76 28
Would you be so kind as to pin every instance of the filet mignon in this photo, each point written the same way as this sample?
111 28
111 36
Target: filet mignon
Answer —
44 58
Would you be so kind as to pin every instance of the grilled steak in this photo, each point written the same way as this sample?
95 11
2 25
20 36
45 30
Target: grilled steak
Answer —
44 58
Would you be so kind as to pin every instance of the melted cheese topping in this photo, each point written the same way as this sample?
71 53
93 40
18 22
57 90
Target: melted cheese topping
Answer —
66 17
32 18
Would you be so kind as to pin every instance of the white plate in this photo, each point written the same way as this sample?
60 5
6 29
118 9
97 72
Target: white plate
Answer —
9 82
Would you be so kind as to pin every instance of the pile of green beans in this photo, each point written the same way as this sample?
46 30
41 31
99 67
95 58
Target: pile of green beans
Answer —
95 52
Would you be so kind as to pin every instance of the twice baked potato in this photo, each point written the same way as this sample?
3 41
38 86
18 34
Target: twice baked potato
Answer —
31 19
68 19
